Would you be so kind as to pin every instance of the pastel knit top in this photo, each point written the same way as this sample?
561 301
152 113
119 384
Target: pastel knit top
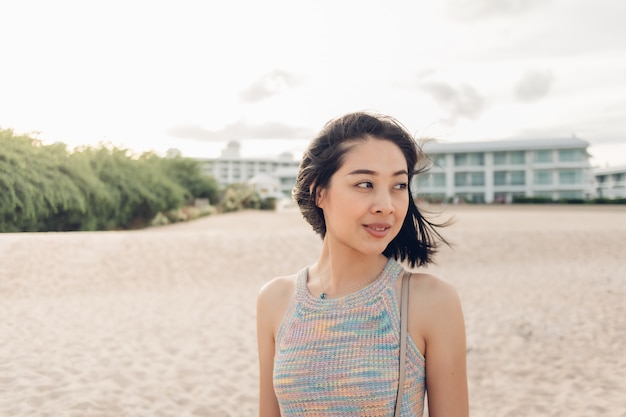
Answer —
340 356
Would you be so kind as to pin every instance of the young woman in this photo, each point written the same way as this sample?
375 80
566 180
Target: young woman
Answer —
328 336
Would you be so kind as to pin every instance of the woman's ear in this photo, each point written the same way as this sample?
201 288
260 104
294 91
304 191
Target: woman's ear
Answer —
319 194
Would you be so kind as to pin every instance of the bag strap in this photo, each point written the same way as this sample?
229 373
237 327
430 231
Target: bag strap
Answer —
404 312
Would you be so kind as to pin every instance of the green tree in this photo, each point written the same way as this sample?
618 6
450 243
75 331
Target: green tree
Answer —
188 173
47 187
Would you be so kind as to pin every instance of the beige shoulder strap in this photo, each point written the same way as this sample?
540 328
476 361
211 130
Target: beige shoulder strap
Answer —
404 312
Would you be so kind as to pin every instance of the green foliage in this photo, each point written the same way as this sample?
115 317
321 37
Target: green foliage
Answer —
268 203
604 200
188 173
545 200
532 200
239 197
48 188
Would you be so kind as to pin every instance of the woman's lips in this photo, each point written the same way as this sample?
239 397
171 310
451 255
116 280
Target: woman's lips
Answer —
378 230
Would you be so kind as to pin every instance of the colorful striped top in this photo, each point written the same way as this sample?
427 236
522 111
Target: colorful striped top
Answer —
340 356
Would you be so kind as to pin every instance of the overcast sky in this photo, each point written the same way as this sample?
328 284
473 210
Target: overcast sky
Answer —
192 75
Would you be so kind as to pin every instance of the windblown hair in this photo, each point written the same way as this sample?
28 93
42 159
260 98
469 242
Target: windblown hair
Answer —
418 238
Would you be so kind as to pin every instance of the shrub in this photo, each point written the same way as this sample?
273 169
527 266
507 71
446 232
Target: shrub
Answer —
48 188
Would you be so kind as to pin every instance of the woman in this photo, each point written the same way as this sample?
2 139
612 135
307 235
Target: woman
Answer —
328 336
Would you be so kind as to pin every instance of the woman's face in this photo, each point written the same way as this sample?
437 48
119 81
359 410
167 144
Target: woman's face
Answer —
367 199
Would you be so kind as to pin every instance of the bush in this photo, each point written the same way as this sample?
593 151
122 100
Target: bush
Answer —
604 200
532 200
268 203
48 188
239 197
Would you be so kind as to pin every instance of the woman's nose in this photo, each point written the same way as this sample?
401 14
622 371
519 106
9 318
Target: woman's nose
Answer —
383 203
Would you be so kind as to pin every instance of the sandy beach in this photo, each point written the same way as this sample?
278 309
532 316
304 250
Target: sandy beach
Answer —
161 322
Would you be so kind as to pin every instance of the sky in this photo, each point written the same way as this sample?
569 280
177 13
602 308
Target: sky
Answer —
194 75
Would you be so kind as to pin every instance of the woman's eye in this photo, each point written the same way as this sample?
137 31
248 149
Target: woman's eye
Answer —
365 184
402 186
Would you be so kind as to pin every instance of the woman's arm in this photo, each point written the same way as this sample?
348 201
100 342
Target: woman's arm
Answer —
272 303
438 321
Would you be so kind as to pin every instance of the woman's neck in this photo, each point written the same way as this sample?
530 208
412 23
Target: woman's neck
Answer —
342 270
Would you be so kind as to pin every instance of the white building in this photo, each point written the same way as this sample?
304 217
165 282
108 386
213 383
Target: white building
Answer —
611 182
499 171
272 175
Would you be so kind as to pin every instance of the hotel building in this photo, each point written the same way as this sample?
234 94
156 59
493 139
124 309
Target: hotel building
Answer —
475 172
271 177
500 171
611 182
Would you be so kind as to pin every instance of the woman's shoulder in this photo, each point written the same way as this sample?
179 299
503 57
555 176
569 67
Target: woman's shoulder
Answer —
274 298
433 295
279 287
432 286
435 311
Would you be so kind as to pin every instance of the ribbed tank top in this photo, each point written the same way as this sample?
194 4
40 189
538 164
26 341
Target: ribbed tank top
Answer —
340 356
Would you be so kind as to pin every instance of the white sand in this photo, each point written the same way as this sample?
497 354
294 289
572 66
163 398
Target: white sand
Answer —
160 322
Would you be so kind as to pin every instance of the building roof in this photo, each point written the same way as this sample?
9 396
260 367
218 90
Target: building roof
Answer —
610 170
504 145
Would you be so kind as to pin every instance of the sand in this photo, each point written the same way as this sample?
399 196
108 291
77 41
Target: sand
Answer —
161 322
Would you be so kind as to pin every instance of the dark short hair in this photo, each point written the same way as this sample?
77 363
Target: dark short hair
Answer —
418 238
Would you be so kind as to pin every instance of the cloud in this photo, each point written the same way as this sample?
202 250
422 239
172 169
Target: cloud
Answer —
533 85
462 102
478 9
269 85
241 130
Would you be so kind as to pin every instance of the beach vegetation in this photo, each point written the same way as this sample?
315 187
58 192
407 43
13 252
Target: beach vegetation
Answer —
239 197
52 188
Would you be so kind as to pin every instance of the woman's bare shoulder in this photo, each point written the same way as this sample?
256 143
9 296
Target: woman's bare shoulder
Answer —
274 298
433 287
434 296
279 288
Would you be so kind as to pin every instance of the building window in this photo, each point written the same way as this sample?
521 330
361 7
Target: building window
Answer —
476 159
509 178
570 177
473 159
438 160
570 155
518 177
499 158
431 180
460 179
499 178
463 179
543 177
439 180
477 178
543 157
518 158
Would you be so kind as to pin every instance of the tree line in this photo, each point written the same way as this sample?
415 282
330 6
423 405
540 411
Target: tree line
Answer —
50 188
